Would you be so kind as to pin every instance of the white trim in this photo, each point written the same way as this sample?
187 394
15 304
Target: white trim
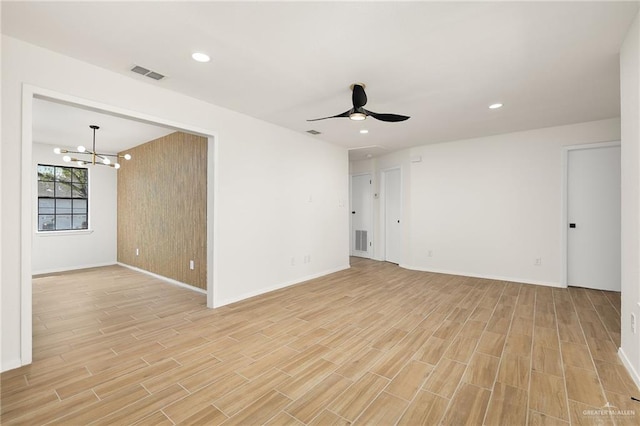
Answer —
482 276
244 296
13 364
69 232
26 229
26 220
564 223
165 279
212 221
629 366
72 268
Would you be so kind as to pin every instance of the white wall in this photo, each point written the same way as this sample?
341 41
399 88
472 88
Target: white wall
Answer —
488 207
630 111
62 251
280 194
485 207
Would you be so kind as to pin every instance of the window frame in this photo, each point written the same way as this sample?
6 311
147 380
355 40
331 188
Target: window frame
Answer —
77 190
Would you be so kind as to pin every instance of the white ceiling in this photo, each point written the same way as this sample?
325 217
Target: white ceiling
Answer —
67 126
442 63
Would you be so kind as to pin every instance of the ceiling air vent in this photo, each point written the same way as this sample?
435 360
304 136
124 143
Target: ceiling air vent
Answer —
313 132
147 73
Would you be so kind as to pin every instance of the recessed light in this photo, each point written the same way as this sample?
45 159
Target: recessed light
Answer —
495 106
364 131
201 57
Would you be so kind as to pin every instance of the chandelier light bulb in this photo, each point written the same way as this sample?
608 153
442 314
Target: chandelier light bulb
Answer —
57 151
81 148
117 165
80 163
127 156
66 159
106 161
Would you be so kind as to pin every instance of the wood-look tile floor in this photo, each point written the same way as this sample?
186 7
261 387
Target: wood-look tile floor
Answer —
375 344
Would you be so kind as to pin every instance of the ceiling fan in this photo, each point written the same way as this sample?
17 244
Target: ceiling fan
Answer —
359 99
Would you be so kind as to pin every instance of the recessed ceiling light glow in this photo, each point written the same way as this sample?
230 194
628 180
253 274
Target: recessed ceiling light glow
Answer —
201 57
495 106
364 131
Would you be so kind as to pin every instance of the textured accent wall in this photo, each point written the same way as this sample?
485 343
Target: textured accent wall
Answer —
162 208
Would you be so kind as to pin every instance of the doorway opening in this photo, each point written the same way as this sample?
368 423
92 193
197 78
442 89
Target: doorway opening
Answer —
361 224
27 183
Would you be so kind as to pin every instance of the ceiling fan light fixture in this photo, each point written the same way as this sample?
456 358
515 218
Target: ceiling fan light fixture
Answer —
357 116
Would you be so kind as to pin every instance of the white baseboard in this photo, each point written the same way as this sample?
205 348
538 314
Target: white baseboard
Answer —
13 364
223 302
487 277
163 278
632 371
72 268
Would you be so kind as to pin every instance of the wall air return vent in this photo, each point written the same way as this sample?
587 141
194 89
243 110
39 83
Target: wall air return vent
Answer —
147 73
313 132
361 240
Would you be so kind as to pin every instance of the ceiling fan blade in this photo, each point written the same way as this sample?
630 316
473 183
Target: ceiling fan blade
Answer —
344 114
387 117
359 97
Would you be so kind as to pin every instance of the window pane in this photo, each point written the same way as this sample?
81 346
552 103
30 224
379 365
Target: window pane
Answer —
79 207
79 190
79 175
80 221
46 223
63 190
63 206
63 174
62 198
63 222
46 206
45 172
45 189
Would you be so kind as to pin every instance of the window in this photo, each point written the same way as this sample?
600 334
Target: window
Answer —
63 198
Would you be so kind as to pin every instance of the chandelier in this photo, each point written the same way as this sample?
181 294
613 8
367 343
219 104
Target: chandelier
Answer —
96 157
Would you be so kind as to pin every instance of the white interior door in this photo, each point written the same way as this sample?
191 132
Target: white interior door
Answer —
361 215
593 210
392 216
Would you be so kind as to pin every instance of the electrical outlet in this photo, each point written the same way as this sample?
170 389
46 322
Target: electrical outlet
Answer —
192 265
137 252
538 261
633 323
